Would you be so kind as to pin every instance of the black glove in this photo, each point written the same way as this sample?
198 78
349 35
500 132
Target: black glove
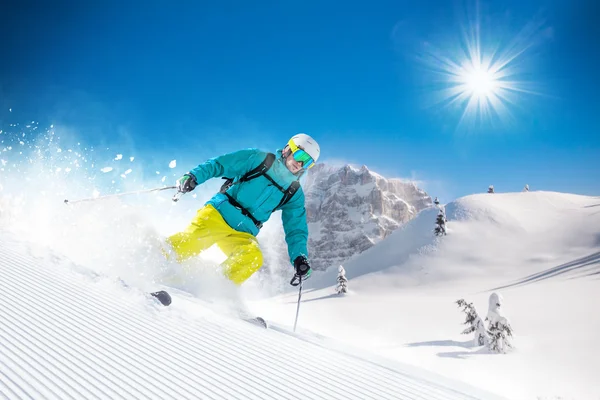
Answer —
186 183
302 267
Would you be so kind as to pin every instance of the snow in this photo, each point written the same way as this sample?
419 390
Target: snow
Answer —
118 157
362 190
106 169
53 347
76 322
539 250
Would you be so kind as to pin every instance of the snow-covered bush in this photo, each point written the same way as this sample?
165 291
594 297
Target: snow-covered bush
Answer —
491 189
526 188
342 286
474 322
499 329
440 224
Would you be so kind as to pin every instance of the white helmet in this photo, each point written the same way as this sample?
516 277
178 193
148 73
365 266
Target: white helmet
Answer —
309 145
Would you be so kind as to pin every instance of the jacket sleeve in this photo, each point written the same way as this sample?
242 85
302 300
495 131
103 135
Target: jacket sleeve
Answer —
229 165
293 215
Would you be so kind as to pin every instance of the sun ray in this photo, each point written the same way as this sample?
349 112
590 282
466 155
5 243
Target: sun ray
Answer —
485 80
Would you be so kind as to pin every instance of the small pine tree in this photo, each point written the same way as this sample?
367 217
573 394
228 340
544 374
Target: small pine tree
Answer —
342 286
440 224
526 188
436 202
491 189
500 333
499 329
474 322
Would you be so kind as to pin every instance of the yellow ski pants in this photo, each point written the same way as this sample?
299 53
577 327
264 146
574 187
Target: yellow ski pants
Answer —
207 228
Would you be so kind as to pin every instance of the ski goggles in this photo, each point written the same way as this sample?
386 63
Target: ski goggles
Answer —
301 155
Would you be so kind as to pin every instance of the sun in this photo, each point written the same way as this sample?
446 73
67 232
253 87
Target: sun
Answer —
480 82
483 78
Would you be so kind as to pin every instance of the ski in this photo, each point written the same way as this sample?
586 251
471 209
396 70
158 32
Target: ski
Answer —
163 296
258 321
165 299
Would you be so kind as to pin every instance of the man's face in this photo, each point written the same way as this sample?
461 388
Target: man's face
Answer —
292 165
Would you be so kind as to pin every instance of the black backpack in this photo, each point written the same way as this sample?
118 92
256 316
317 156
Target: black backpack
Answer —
260 170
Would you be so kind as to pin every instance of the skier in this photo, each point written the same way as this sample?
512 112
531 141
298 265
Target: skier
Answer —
257 184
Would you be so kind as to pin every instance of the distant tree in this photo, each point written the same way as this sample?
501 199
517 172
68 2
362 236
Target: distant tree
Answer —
436 202
526 188
440 224
474 323
342 286
491 189
499 329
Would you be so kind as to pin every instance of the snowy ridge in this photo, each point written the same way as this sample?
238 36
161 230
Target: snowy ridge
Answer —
539 250
542 229
64 335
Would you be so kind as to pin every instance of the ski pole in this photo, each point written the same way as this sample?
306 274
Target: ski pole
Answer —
299 283
123 194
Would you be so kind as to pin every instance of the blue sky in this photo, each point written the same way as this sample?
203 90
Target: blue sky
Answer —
198 79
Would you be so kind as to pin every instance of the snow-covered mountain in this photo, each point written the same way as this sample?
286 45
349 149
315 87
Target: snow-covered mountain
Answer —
351 209
539 250
493 236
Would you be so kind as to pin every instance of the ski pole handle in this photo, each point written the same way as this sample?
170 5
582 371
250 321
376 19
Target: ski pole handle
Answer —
296 280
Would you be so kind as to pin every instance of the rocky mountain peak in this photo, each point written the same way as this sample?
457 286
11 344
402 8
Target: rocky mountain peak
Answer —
349 209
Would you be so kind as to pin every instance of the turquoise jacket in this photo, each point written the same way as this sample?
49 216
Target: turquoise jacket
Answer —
259 196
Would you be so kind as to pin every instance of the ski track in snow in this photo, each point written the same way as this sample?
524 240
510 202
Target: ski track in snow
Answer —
63 336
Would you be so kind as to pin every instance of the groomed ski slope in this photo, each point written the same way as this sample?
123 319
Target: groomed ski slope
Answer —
66 333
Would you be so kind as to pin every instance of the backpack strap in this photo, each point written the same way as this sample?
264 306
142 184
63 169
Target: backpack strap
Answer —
260 169
288 194
243 210
255 173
